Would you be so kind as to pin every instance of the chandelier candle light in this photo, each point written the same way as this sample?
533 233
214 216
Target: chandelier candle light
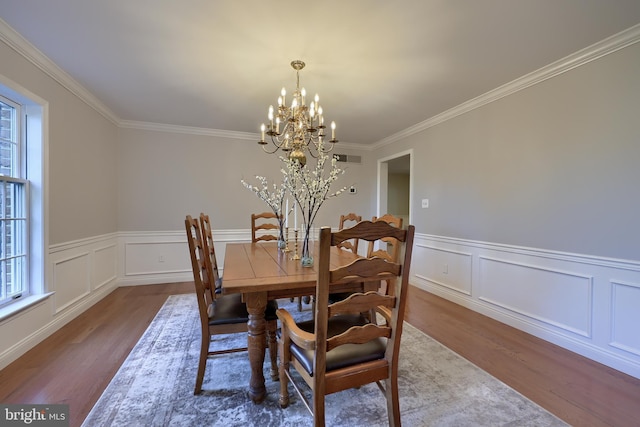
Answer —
298 127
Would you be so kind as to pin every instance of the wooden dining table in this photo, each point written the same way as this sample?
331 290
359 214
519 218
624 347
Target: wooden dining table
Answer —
262 272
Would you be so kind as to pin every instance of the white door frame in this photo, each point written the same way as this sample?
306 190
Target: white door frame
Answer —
383 178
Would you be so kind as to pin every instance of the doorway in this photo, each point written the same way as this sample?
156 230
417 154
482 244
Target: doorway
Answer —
395 186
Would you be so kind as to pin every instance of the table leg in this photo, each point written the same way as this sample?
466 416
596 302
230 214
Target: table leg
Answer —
256 304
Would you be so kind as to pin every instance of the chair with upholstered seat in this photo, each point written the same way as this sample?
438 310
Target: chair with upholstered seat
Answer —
264 227
341 349
219 314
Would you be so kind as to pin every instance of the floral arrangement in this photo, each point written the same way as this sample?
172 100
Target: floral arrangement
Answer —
273 196
310 187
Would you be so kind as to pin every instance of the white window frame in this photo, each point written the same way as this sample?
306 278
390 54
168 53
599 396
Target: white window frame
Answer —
34 164
14 220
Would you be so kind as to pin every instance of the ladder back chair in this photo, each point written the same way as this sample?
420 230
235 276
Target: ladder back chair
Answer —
207 236
219 314
388 247
341 349
264 221
351 245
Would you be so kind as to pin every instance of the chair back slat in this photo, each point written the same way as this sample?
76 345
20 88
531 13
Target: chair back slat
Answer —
359 335
370 231
360 303
373 268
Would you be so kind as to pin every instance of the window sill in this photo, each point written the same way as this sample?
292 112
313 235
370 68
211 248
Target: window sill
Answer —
21 305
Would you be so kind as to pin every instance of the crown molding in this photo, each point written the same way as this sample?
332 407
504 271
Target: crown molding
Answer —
189 130
18 43
602 48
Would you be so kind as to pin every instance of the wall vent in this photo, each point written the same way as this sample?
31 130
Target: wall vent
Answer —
348 158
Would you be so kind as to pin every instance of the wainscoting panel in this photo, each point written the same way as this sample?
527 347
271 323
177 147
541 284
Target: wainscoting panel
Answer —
539 293
155 257
71 280
443 267
586 304
163 257
81 267
105 267
625 312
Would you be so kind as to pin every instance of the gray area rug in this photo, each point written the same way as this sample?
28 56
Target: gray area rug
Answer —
154 386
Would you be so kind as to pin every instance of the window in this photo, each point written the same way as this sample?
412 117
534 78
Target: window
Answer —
14 224
23 195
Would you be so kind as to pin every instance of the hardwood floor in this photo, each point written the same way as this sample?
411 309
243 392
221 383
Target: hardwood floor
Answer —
576 389
75 364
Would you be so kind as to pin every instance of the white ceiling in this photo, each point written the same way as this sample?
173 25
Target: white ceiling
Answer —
379 67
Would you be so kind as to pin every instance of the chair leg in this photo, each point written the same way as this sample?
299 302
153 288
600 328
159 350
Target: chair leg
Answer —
393 403
318 409
283 352
202 363
273 348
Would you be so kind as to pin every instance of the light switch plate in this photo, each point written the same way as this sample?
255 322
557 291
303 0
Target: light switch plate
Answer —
425 203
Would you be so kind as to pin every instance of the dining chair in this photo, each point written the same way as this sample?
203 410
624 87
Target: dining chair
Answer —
387 248
353 244
220 314
341 349
207 236
264 221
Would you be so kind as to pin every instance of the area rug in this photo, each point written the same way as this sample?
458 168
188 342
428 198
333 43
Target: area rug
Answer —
154 386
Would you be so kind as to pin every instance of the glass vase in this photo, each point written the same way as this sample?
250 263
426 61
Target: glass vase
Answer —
307 256
282 243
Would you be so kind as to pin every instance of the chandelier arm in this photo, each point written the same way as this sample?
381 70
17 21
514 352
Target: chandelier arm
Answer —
267 151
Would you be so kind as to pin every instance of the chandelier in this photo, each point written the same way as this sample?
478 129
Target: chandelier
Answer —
298 127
